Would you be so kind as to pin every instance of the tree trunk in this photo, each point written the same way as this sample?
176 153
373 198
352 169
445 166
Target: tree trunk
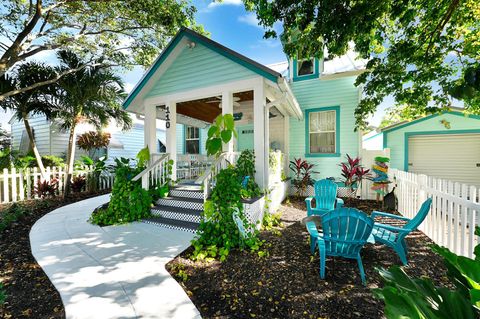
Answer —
70 161
28 128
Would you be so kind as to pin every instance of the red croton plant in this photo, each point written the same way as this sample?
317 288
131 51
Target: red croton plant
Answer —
353 172
303 171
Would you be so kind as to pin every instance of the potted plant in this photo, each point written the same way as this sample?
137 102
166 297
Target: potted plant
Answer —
352 175
302 176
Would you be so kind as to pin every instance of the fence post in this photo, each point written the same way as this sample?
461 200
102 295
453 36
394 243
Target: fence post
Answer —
6 196
29 182
422 194
14 184
21 189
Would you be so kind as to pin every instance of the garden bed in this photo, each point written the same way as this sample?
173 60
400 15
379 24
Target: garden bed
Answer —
286 284
30 294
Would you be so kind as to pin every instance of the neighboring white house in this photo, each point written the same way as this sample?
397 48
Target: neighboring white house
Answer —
51 140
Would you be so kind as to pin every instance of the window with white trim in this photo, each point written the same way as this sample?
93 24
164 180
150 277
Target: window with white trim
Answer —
305 67
322 132
192 140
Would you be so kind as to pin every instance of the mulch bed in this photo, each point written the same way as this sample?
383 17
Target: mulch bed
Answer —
286 284
30 294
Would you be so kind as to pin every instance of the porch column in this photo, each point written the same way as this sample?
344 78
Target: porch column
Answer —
227 108
260 135
150 128
286 141
171 128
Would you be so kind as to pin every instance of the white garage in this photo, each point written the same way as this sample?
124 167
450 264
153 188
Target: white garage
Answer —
454 157
443 145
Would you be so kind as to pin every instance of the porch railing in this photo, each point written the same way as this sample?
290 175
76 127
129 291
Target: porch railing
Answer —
207 180
156 173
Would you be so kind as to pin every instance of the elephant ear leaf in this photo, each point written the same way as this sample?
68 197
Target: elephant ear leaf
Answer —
226 136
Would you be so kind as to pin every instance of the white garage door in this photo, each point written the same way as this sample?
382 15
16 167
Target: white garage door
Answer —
449 156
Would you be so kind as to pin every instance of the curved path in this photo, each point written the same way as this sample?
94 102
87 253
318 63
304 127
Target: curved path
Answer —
110 272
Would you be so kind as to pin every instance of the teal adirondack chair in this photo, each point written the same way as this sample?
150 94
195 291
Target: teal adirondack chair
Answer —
394 237
325 198
325 201
344 232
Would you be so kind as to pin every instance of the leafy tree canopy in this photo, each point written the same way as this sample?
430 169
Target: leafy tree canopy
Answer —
124 33
423 53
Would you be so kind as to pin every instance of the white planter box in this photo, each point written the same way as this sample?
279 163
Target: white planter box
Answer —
254 209
308 193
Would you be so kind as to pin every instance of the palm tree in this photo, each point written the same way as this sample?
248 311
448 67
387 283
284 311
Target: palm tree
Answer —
92 95
34 102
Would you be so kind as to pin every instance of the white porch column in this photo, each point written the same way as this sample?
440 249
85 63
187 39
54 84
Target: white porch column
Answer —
286 141
150 128
260 135
171 127
227 108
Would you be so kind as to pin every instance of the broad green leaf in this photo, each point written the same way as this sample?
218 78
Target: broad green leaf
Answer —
226 136
470 269
475 297
229 121
212 131
219 121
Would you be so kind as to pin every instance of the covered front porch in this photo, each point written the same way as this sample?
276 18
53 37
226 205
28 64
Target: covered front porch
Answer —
262 114
192 82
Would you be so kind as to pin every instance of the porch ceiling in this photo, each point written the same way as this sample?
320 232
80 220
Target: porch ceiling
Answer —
208 109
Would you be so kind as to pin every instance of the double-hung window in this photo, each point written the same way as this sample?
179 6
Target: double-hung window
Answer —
322 134
192 140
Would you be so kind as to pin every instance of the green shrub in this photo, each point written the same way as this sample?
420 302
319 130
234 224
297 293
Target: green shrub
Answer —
245 166
271 221
246 163
11 214
3 295
405 297
129 201
218 234
51 160
29 161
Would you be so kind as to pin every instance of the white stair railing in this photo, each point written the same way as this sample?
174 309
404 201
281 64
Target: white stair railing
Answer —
157 173
207 180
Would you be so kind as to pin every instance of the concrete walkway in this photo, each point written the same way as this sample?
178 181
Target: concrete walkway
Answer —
110 272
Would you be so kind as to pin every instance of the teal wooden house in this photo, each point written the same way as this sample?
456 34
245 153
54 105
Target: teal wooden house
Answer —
299 108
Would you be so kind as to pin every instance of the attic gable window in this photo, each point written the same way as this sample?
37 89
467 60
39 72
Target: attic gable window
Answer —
305 67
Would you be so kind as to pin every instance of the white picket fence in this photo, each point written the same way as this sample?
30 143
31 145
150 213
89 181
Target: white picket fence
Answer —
454 213
19 184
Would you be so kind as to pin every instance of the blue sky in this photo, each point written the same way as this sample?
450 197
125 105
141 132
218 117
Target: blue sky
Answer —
229 24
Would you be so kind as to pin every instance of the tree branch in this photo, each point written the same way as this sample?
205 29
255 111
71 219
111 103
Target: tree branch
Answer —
7 94
441 24
9 57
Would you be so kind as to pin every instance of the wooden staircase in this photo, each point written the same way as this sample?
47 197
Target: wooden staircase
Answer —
181 210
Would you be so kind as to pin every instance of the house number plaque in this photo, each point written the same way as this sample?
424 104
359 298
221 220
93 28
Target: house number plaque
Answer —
167 117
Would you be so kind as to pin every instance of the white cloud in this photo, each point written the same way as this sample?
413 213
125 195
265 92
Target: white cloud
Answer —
212 5
129 87
266 43
250 19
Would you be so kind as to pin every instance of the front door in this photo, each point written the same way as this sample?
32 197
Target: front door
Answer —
245 137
